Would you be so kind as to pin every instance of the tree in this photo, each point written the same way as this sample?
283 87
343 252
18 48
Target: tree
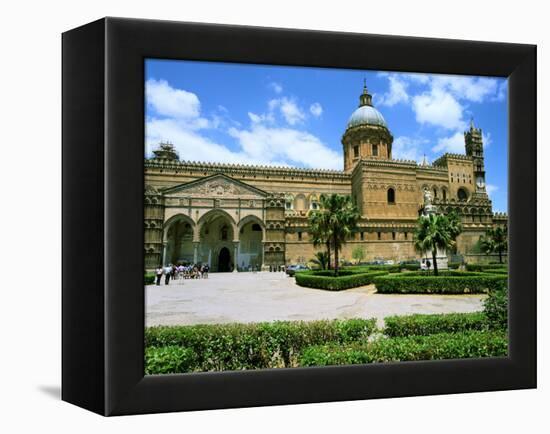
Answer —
495 241
341 216
321 259
436 231
319 229
358 254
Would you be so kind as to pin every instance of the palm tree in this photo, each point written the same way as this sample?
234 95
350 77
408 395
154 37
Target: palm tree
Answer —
321 259
319 230
495 240
342 216
436 231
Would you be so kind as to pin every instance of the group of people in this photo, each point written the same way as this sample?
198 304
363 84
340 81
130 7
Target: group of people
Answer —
173 272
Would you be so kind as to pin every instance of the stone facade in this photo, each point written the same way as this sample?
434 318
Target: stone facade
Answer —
253 217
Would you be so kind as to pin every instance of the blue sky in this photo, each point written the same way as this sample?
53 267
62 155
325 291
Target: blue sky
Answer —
295 116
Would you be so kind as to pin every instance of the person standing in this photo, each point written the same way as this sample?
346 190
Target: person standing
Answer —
167 274
158 273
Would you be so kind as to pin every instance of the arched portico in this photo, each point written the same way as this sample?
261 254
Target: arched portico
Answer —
179 235
217 243
250 253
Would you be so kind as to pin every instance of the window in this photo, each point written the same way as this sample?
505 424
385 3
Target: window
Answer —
461 194
224 233
299 236
355 151
391 195
375 150
379 235
435 192
393 235
444 194
406 235
362 236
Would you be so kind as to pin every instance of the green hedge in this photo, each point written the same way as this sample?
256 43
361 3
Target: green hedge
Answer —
331 283
406 284
453 265
485 267
219 347
495 308
172 359
149 278
471 344
409 325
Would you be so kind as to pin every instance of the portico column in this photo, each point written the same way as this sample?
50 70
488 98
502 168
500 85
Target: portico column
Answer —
195 252
163 259
235 255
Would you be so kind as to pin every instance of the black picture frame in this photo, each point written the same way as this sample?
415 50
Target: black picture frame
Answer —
103 145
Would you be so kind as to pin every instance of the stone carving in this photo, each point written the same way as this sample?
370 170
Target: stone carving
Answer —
218 187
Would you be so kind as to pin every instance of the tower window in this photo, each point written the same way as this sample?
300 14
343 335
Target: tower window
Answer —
356 151
362 236
391 195
375 150
379 235
299 236
406 235
435 192
461 194
444 194
393 235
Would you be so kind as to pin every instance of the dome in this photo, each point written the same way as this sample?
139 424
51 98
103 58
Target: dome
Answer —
366 115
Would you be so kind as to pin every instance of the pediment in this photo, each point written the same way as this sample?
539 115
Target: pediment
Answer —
215 186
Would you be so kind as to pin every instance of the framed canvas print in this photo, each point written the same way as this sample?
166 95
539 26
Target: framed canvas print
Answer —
258 216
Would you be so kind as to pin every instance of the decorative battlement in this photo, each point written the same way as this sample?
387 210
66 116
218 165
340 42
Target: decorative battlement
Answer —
442 161
500 215
163 163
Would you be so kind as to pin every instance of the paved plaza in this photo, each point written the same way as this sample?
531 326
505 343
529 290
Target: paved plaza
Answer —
257 297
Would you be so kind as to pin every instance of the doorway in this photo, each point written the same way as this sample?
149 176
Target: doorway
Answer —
224 260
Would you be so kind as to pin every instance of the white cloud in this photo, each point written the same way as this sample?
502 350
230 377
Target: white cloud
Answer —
276 87
490 188
475 89
397 92
177 118
407 148
316 109
438 108
288 109
168 101
453 144
291 146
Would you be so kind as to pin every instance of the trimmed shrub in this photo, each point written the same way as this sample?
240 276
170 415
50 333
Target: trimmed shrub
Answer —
149 278
410 267
451 284
485 267
169 360
454 265
331 283
253 346
409 325
495 308
441 346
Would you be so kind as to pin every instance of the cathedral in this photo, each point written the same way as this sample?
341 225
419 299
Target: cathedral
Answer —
240 217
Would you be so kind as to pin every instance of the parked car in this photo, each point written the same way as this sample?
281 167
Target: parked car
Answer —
389 262
292 269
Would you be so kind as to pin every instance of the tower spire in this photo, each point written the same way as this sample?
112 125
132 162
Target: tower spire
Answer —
365 98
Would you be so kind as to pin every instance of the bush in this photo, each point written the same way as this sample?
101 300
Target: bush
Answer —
252 346
453 265
469 344
410 267
444 284
485 267
409 325
169 360
149 278
495 308
345 280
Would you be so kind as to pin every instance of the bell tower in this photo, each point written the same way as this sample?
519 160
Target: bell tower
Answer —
473 139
